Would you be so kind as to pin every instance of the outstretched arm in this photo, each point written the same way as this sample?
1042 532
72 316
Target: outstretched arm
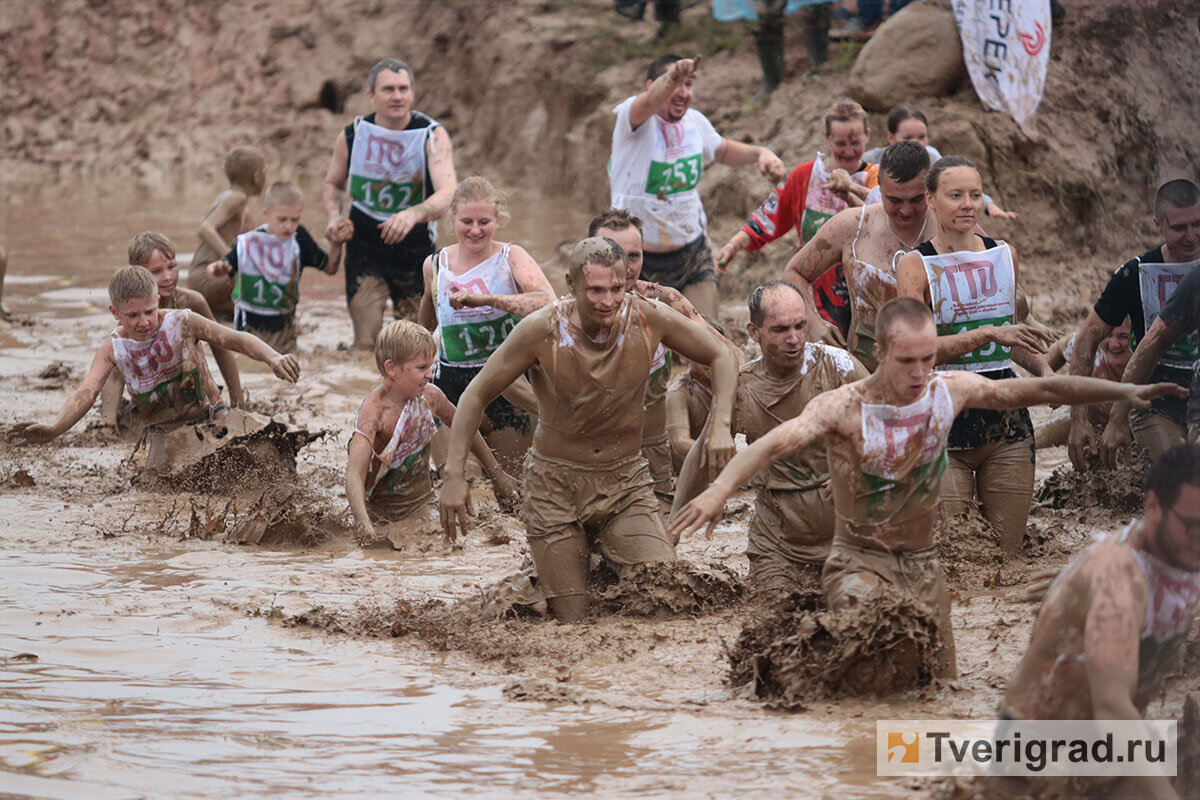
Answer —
648 103
76 406
815 422
738 154
285 367
975 391
226 363
511 359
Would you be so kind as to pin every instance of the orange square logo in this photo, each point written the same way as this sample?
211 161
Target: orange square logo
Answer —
903 748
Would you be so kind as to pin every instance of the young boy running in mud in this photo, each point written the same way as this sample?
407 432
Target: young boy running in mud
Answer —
156 253
885 439
387 464
1138 289
266 264
1117 617
589 357
869 241
793 520
158 355
246 169
970 281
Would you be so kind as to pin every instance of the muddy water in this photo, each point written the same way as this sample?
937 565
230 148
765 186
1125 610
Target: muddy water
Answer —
162 669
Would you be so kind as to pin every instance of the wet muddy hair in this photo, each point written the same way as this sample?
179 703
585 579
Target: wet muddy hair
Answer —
401 340
1174 468
900 114
904 161
1180 193
941 165
844 110
614 219
660 65
476 189
283 193
243 163
129 283
597 251
144 245
389 64
906 309
755 302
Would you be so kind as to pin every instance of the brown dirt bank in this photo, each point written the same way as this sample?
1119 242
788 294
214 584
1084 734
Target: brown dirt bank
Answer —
159 90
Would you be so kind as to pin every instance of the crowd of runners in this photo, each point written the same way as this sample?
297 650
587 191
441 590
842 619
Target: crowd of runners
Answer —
883 397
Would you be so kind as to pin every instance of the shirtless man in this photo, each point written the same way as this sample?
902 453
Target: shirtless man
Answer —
1116 619
793 520
1138 289
869 241
660 145
885 438
588 356
394 207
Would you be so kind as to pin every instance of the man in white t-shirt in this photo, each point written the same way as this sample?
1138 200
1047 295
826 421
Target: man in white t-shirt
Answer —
660 145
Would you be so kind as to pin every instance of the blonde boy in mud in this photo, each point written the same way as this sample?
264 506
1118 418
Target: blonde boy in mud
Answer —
387 462
266 264
246 169
156 253
157 353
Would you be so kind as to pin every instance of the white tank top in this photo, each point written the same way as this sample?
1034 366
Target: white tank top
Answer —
970 290
167 370
401 458
470 335
268 273
1157 283
820 204
387 169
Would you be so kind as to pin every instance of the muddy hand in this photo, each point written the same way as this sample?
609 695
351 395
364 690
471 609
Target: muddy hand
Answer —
1023 335
454 507
771 167
29 433
219 269
339 230
683 69
397 226
720 449
1081 442
463 300
702 511
1039 584
1142 395
1115 441
287 368
507 491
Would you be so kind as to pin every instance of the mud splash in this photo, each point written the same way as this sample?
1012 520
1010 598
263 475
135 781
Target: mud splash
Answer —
1117 490
969 549
797 654
670 589
258 461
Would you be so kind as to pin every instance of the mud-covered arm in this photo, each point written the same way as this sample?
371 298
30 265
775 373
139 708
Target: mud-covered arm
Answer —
358 463
679 424
819 255
76 406
226 363
1117 604
333 192
815 422
503 485
510 360
285 367
1117 436
519 305
697 343
649 102
1081 439
975 391
739 154
230 206
912 282
426 310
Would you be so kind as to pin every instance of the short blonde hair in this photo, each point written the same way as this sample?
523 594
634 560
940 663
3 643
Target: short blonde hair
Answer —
283 193
129 283
477 189
400 341
844 111
597 251
144 245
241 163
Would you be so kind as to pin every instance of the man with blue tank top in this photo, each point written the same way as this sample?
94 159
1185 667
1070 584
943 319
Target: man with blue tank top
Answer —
397 166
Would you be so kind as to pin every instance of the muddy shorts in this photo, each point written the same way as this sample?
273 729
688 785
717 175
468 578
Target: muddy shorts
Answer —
789 539
1156 432
453 382
999 477
657 452
406 515
570 507
692 263
853 571
377 272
